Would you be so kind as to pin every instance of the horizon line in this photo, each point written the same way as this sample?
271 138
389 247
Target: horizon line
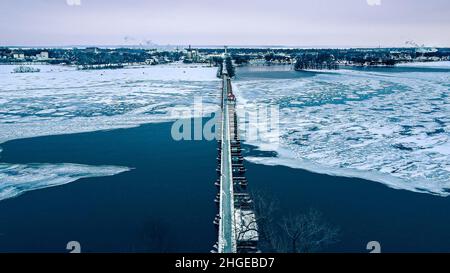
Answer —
212 46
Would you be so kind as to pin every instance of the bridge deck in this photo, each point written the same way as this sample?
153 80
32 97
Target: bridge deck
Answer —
238 229
227 238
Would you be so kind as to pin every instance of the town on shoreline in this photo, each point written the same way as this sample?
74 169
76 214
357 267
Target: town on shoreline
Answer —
299 58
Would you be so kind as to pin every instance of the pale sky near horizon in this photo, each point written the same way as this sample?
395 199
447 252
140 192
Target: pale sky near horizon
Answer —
235 22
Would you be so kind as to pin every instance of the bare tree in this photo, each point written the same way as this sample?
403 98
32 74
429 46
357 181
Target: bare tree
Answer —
266 210
307 232
295 233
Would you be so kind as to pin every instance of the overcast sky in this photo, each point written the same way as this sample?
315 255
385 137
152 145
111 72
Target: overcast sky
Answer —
234 22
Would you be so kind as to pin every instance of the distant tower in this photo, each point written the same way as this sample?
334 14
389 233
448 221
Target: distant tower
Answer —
189 53
226 49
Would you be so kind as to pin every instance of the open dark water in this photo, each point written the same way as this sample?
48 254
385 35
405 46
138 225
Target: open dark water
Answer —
402 221
165 204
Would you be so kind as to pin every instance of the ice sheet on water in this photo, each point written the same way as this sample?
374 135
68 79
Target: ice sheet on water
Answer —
385 126
15 179
62 100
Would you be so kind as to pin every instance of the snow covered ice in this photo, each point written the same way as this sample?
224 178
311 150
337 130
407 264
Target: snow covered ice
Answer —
389 126
15 179
61 100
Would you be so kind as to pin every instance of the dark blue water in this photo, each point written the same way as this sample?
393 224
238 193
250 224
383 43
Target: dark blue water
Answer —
165 204
400 220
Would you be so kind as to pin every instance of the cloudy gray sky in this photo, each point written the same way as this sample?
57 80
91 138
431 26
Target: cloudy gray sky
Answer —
234 22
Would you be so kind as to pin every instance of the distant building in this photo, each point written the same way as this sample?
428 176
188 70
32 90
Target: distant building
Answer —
192 55
18 56
42 56
94 50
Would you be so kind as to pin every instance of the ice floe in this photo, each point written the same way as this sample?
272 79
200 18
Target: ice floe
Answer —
15 179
